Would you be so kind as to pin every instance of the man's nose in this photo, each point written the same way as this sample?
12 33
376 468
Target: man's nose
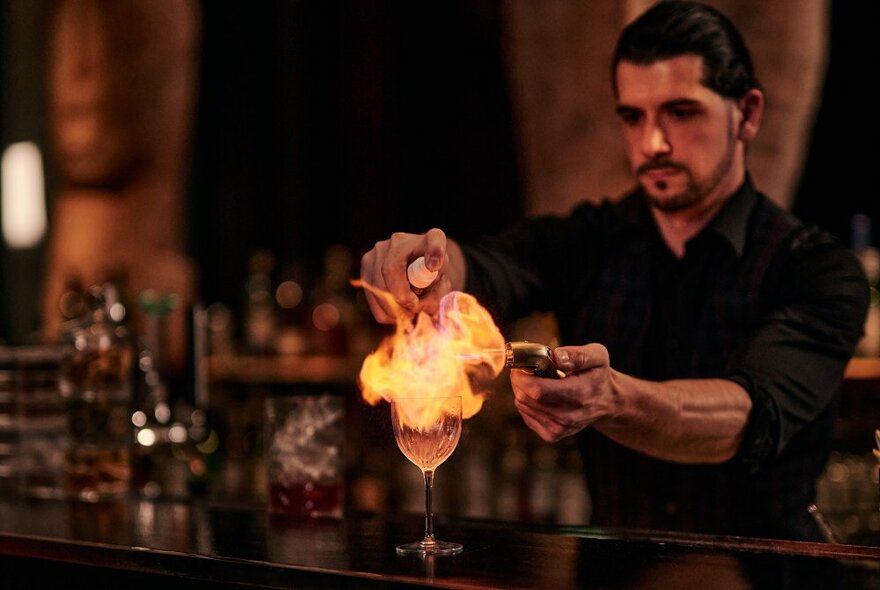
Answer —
654 141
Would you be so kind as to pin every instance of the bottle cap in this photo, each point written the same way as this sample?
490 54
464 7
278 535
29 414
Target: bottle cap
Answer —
418 274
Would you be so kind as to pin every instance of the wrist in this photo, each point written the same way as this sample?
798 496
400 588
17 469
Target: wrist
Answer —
617 401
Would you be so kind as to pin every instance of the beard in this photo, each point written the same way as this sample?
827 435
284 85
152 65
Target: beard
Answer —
695 190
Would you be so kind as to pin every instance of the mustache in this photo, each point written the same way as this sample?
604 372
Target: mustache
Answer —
658 164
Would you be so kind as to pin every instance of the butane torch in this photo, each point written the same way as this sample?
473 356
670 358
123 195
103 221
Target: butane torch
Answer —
532 357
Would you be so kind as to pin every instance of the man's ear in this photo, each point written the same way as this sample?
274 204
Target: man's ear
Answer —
751 105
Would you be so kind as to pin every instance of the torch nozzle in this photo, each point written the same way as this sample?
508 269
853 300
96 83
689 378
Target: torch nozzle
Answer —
532 357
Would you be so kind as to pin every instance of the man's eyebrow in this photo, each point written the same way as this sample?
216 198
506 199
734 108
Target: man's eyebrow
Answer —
625 108
681 102
669 104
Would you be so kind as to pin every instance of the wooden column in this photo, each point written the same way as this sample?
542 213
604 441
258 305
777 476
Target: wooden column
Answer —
122 89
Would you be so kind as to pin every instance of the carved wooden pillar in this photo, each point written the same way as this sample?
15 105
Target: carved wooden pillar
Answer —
558 64
789 44
122 89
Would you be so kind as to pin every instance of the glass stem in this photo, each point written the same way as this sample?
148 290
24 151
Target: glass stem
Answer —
429 511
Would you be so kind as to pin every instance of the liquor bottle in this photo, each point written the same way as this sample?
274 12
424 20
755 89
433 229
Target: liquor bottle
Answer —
332 305
260 319
172 436
293 337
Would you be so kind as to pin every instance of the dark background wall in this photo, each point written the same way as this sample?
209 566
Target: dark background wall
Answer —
341 123
839 176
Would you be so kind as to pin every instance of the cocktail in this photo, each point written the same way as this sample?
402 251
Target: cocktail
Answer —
427 430
432 374
304 435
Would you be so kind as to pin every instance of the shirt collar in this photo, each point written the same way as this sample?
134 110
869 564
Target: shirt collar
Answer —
730 223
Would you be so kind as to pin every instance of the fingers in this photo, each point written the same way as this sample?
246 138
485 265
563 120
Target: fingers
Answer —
544 393
538 422
545 412
371 273
402 249
385 265
574 359
556 408
435 249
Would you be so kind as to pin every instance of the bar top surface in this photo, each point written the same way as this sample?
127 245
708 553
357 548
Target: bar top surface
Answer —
220 544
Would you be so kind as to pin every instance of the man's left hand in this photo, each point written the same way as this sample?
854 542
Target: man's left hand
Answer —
556 408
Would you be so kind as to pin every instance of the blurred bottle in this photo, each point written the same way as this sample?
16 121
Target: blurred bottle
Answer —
260 319
96 387
332 306
293 338
155 472
220 337
512 500
545 476
477 476
72 306
869 257
171 435
574 505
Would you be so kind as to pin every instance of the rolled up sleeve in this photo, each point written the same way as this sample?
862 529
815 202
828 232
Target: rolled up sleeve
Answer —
793 363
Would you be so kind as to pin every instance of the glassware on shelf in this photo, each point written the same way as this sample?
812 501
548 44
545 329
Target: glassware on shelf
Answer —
33 424
96 387
427 430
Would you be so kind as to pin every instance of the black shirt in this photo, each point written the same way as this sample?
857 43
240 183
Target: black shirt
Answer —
758 298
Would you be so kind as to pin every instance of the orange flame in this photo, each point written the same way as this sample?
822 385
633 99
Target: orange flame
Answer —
458 353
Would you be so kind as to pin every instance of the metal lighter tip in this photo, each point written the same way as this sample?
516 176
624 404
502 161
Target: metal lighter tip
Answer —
532 357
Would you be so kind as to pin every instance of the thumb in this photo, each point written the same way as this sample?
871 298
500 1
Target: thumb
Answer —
573 359
435 249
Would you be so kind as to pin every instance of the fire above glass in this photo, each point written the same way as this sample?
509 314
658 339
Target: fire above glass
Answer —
435 356
428 371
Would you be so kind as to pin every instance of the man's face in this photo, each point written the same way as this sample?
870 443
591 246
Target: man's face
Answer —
681 136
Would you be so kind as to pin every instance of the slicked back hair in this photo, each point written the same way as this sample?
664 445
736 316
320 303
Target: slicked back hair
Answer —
672 28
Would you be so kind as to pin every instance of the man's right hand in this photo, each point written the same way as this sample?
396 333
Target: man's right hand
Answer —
385 267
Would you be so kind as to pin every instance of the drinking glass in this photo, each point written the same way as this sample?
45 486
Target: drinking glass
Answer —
304 436
427 430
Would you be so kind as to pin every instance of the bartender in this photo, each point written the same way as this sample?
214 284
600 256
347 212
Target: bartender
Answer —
706 329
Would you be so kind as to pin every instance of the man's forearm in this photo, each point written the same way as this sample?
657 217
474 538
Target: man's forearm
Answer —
686 421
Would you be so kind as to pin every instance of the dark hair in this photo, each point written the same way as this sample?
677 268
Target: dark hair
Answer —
671 28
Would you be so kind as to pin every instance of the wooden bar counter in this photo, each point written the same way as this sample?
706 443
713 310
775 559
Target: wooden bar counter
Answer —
165 544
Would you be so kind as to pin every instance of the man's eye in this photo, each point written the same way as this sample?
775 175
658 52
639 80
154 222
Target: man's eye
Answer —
682 114
630 118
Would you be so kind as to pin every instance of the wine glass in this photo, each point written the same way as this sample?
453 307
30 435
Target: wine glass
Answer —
427 430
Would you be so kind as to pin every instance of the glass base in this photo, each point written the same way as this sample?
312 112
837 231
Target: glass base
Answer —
429 547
